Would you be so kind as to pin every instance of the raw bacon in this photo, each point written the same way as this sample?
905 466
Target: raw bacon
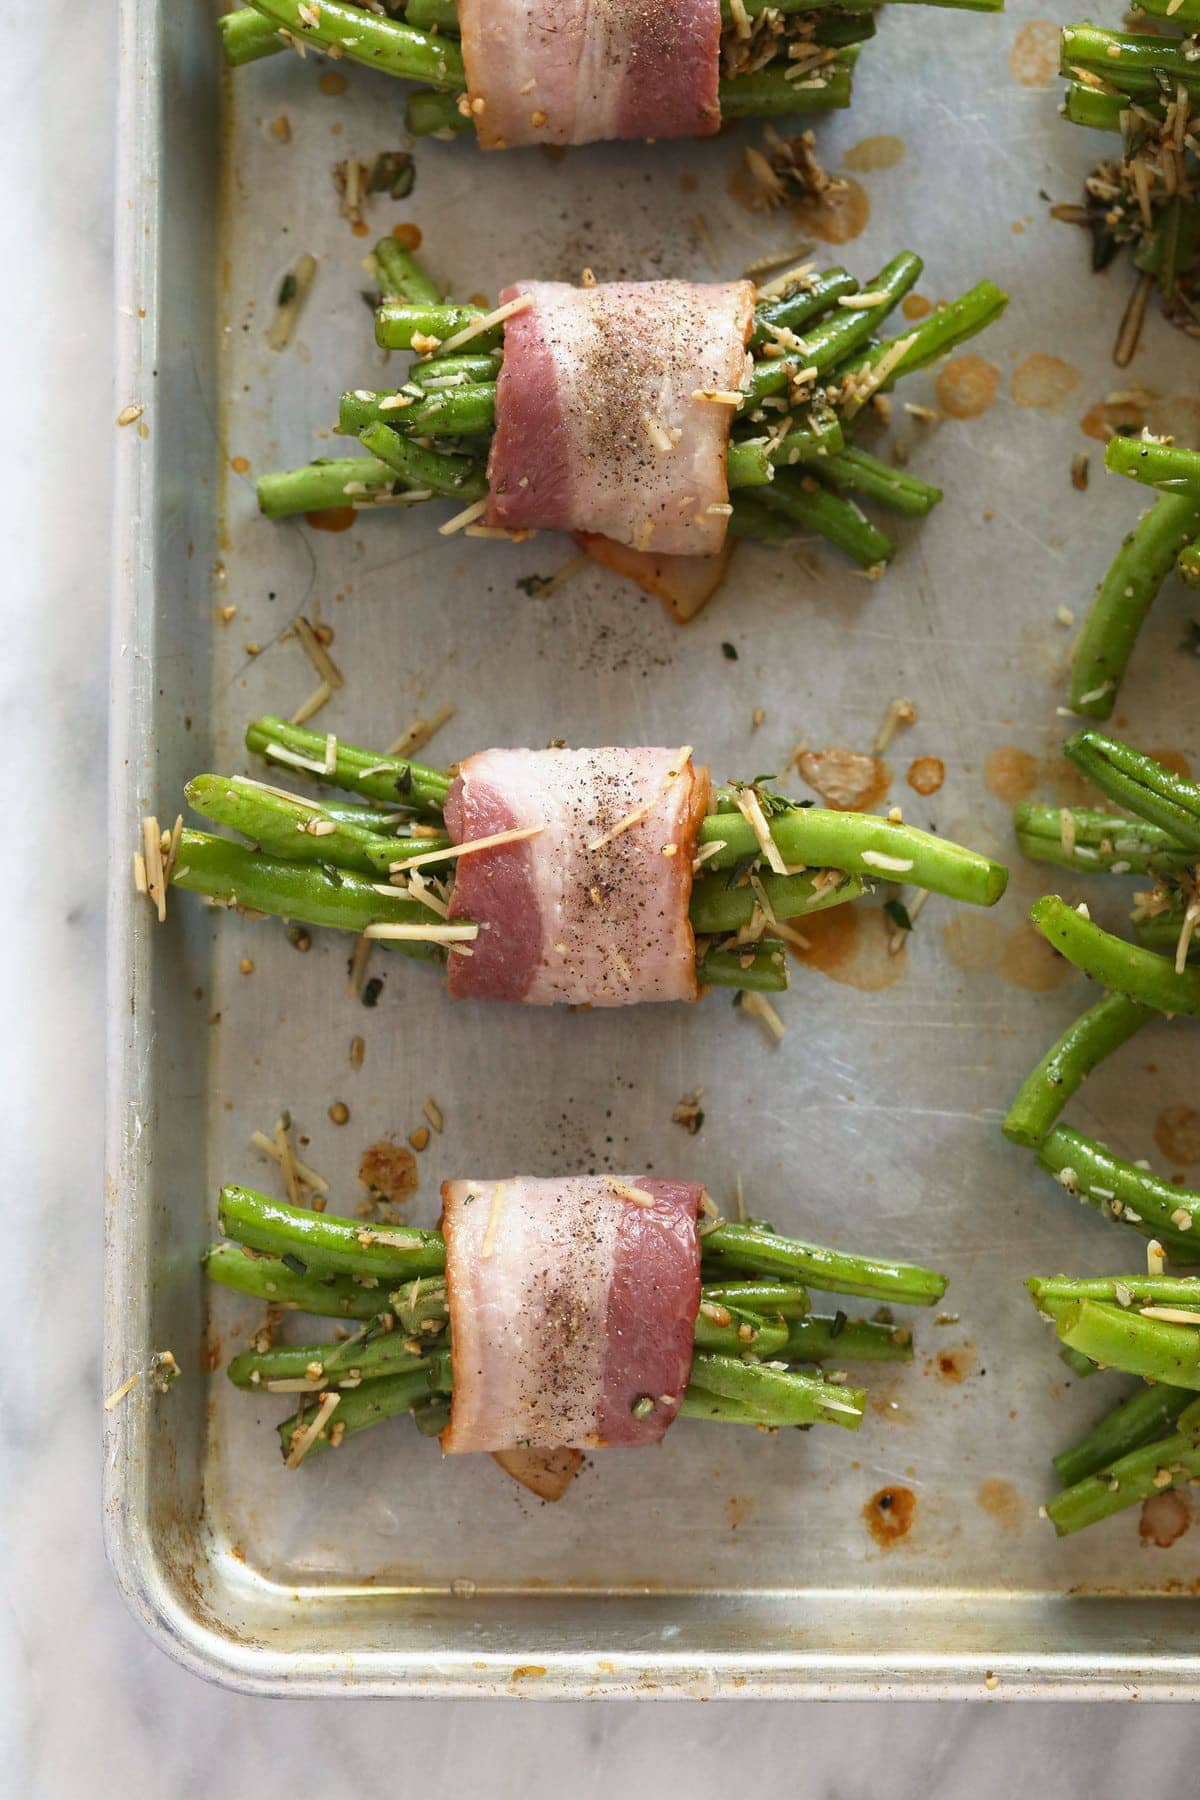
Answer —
590 911
613 412
572 1304
578 71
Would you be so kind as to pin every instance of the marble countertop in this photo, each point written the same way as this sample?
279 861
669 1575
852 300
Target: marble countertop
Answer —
89 1702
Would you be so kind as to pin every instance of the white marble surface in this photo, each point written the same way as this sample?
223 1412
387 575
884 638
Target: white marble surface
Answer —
87 1705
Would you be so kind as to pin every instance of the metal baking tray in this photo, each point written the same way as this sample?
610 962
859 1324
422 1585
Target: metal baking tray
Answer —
727 1563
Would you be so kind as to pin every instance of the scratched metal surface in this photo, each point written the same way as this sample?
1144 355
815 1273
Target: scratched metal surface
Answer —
727 1561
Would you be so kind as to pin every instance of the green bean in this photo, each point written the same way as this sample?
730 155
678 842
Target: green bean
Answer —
1119 1338
321 895
246 36
1168 467
402 276
1144 1416
838 1339
717 907
741 1332
269 1278
1124 968
862 844
1121 1190
932 338
1094 1035
430 114
803 501
768 92
1126 60
779 1396
459 476
749 1247
370 38
1147 1471
817 437
1098 841
1056 1294
1123 599
751 519
466 411
326 1365
284 827
854 471
1089 106
393 780
758 968
806 301
1140 784
370 1404
324 484
786 1299
327 1245
830 342
398 322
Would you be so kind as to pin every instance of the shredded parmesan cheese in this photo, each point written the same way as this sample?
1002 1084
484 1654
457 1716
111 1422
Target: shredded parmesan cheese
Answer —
1156 1260
894 865
760 1008
422 934
493 1224
477 326
466 517
750 807
492 842
118 1394
293 759
1172 1315
625 1191
304 1439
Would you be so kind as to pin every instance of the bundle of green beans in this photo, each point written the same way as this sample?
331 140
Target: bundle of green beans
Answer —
419 42
1157 834
1145 85
344 865
754 1334
1143 1325
1166 537
791 467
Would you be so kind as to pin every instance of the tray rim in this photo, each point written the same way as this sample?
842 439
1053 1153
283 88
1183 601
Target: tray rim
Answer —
173 1615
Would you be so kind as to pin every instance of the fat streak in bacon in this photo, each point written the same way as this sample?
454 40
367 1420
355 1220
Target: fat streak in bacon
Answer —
569 1303
578 71
583 912
600 421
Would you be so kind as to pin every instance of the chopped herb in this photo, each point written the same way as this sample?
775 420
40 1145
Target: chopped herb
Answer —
293 1263
370 300
1191 642
331 874
533 585
839 1324
642 1407
897 912
729 652
372 991
288 289
740 870
393 172
404 782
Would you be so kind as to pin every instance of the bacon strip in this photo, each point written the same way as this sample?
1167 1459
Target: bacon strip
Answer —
570 1303
590 911
600 421
578 71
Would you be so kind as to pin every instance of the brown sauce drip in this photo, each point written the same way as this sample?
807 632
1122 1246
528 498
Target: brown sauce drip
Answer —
889 1515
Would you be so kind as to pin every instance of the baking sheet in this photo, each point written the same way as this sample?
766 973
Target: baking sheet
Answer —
727 1562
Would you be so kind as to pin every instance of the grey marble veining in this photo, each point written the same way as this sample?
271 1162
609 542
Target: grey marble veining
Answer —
87 1705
